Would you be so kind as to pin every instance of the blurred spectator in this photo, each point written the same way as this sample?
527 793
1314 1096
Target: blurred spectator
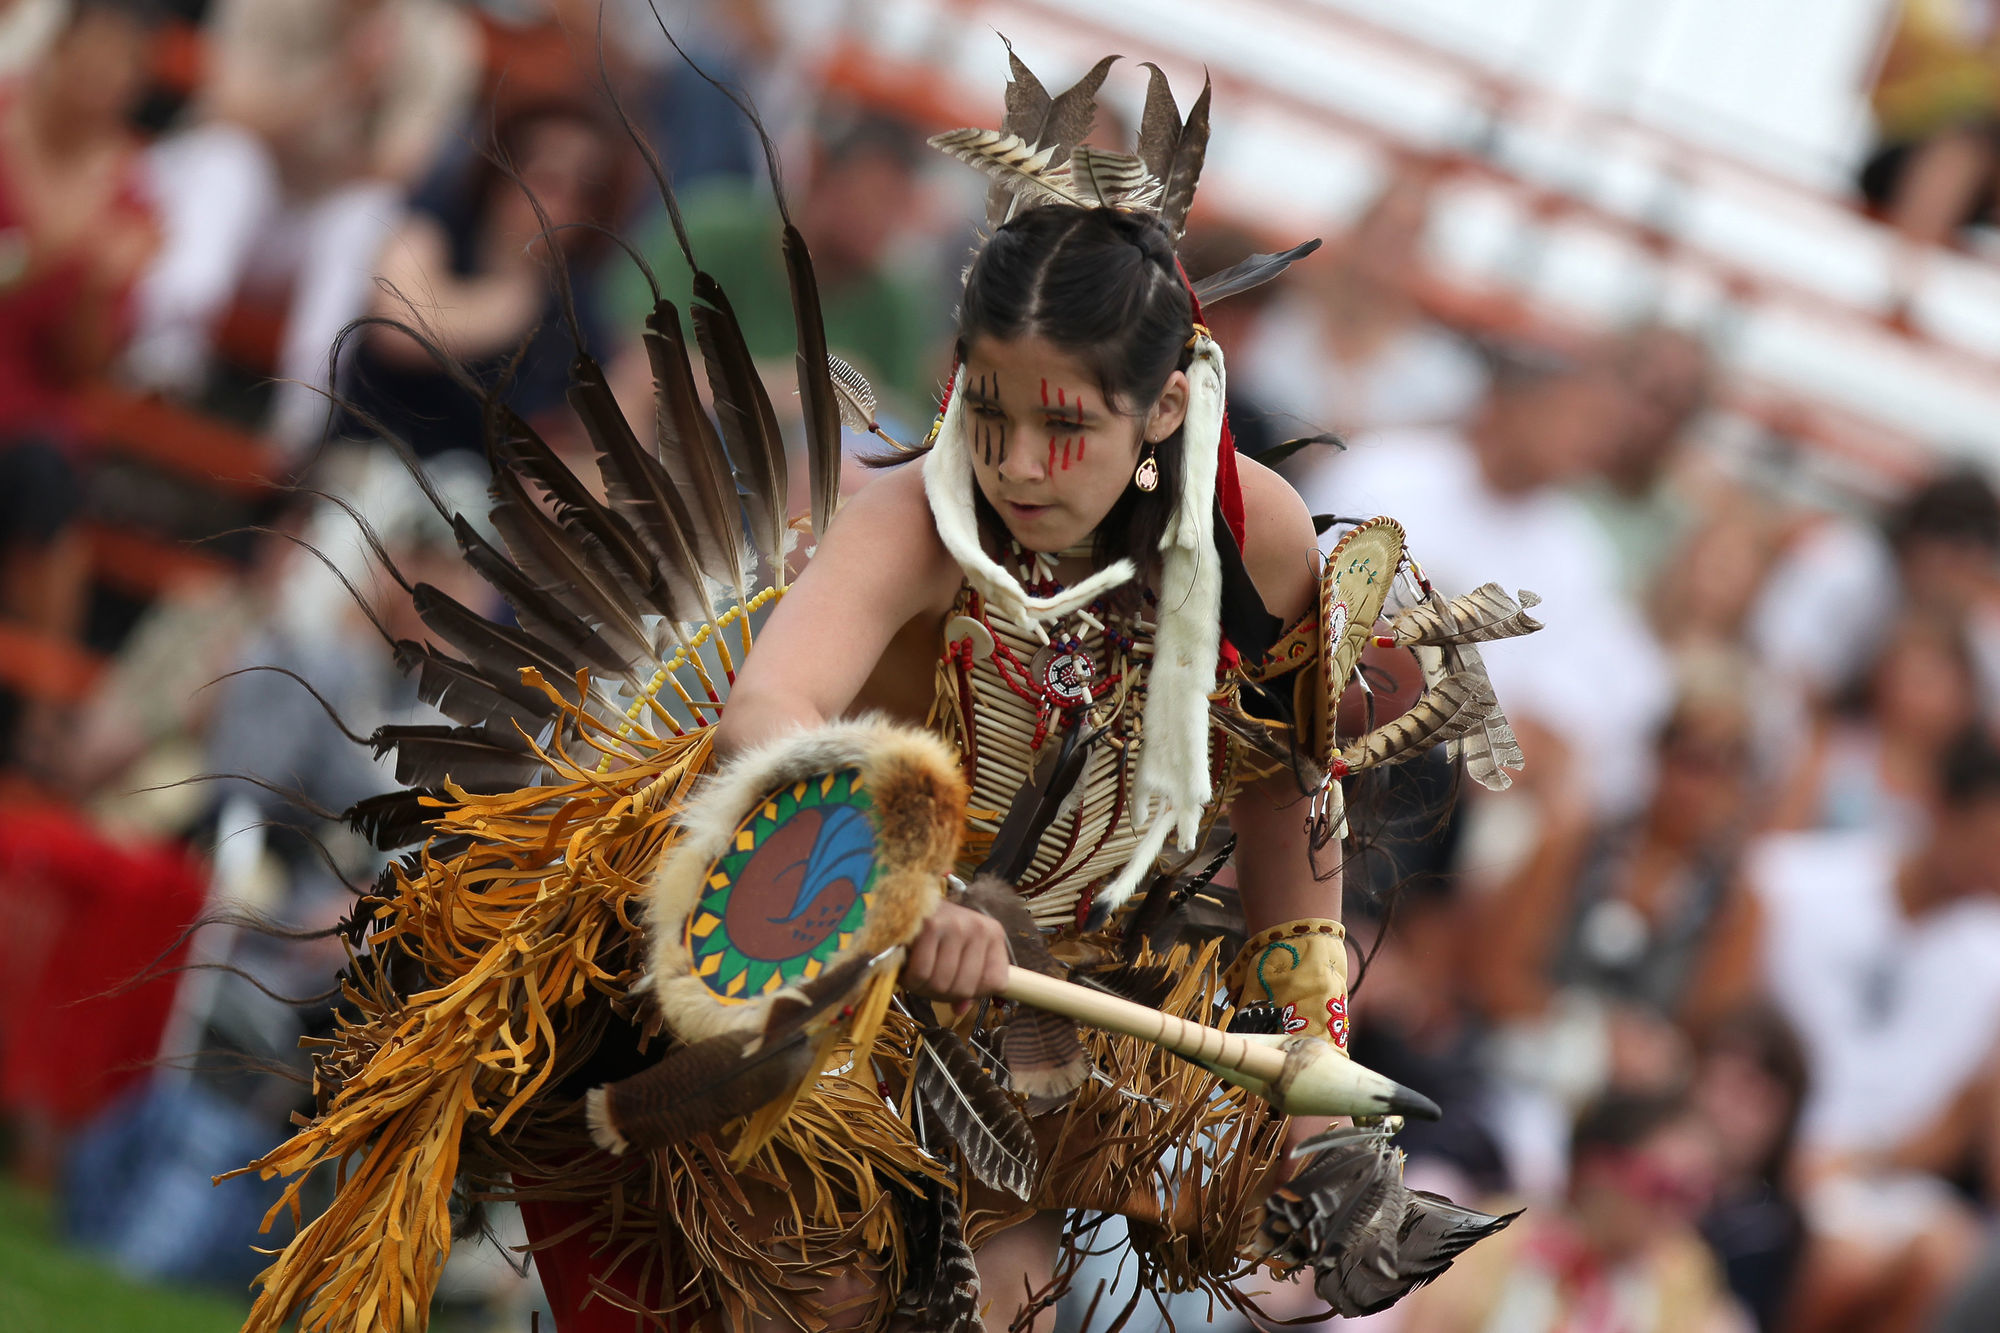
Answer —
471 271
1348 348
858 199
1491 502
27 27
1874 763
1937 115
1617 935
1634 495
1412 1022
316 118
1644 914
1622 1251
1751 1086
1887 961
1832 595
75 231
1701 594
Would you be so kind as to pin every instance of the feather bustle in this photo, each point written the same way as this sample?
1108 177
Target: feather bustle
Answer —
749 425
691 452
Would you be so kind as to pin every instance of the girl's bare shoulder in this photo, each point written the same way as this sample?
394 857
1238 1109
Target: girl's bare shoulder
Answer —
1280 548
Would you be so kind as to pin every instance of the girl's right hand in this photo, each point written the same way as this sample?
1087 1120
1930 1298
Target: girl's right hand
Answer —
960 955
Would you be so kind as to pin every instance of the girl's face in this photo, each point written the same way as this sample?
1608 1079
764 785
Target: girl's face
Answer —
1050 454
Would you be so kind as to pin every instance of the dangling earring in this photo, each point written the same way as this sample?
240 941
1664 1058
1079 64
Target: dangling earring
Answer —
1147 476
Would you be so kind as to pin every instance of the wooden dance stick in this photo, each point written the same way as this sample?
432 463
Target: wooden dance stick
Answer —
1298 1075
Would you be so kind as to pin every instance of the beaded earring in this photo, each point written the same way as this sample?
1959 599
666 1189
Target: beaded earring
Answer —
1147 476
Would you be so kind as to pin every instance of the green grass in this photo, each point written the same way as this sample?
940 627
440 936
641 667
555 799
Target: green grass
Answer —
46 1287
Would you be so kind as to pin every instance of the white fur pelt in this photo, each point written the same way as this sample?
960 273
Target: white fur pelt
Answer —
1172 786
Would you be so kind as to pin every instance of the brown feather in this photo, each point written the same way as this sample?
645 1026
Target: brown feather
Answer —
462 694
479 759
393 819
1451 709
1253 271
985 1123
1159 124
941 1278
497 652
749 425
605 537
641 493
1189 154
703 1086
692 453
994 897
816 394
540 612
556 560
1484 614
1045 1058
1027 106
1068 120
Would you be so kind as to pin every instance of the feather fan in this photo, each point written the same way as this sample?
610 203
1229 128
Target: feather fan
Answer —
984 1122
1447 711
1484 614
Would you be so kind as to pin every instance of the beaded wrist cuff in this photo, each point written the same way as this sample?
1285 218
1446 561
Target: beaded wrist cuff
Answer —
1300 969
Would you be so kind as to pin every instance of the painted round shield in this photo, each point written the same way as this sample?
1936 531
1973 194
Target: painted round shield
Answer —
794 859
792 890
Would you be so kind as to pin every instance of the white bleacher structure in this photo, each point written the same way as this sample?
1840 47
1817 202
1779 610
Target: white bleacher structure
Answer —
1606 161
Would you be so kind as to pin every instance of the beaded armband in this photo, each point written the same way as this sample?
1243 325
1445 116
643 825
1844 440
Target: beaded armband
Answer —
1300 969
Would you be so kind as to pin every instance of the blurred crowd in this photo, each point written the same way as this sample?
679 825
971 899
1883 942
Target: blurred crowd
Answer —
1713 991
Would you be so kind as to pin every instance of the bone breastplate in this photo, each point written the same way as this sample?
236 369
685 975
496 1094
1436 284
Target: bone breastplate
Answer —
1004 697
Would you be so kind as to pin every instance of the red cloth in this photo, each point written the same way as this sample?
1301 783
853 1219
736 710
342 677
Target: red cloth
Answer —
571 1269
79 916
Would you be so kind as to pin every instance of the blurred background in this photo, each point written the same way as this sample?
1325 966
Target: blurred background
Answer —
1684 314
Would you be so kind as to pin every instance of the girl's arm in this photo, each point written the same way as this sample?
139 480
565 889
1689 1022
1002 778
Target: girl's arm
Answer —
1274 871
880 567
